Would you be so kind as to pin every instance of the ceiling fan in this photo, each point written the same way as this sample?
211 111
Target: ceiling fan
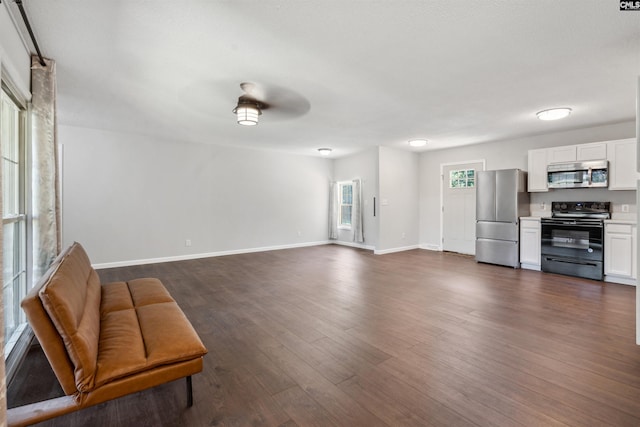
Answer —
283 103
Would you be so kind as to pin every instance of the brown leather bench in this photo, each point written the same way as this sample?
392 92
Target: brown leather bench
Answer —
105 341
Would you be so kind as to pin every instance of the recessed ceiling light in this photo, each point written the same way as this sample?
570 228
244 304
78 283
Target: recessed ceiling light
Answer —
417 142
324 151
554 113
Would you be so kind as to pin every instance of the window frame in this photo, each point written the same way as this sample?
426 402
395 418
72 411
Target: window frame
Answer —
17 343
341 205
463 176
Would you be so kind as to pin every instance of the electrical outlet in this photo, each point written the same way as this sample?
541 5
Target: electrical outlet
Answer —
404 235
625 208
299 233
187 243
543 205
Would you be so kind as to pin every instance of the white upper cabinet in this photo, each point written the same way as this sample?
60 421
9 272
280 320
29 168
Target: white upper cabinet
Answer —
537 173
578 153
622 164
561 154
621 155
594 151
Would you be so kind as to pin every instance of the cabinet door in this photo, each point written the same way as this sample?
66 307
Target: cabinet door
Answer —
537 174
530 242
622 164
562 154
618 253
595 151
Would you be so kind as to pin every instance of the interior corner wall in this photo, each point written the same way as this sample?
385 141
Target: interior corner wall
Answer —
398 204
506 155
363 165
129 197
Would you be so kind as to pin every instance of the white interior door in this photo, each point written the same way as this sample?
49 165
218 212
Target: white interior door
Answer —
459 207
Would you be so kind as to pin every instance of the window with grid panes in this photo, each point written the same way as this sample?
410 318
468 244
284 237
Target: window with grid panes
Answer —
464 178
345 190
12 146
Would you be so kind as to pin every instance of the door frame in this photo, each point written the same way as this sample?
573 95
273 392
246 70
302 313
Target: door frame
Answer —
442 166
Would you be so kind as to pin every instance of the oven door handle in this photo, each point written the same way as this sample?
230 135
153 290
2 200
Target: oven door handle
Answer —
573 224
566 261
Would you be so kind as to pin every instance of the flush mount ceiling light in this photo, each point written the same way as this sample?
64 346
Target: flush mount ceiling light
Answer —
247 111
324 151
417 142
553 114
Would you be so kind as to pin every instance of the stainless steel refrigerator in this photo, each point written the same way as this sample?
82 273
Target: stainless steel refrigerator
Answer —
501 199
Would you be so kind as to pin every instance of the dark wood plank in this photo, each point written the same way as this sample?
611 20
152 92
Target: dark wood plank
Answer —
331 335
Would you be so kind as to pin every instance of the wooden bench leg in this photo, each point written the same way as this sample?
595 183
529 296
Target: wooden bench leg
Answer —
189 392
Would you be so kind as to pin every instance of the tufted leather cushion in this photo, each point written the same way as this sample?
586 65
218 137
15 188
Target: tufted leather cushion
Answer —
142 327
72 297
114 330
107 341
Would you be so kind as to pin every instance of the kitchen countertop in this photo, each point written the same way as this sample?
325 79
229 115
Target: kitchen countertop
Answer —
619 221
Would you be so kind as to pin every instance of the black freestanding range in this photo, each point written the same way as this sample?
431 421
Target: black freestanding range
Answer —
573 239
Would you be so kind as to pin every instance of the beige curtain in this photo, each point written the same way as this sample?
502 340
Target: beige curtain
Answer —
333 211
356 212
45 187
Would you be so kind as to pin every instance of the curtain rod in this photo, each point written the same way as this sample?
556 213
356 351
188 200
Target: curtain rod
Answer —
28 25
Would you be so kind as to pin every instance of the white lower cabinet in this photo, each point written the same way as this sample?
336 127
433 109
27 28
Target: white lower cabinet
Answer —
530 243
620 252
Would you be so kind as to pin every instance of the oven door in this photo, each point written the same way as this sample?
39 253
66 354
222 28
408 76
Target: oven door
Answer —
580 239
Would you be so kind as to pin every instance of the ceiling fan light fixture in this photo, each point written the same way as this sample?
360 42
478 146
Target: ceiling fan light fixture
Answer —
324 151
247 112
553 113
417 142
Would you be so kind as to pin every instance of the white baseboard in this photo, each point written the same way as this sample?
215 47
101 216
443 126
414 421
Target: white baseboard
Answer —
392 250
205 255
620 280
431 247
353 245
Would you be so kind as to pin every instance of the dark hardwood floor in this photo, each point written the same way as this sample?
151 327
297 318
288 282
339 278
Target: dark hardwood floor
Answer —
331 335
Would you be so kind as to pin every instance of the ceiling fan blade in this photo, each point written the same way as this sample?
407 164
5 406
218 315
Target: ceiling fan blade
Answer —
284 103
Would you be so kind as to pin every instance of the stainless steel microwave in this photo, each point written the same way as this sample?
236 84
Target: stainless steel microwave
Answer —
578 175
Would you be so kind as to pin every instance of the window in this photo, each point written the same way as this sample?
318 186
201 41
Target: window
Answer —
345 190
12 146
465 178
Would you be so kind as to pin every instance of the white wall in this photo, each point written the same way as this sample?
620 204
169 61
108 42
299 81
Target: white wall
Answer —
130 197
512 154
14 56
363 165
398 184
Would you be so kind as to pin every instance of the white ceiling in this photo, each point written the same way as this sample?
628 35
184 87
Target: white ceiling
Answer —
374 72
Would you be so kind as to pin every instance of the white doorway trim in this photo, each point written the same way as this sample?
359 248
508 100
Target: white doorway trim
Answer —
442 166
